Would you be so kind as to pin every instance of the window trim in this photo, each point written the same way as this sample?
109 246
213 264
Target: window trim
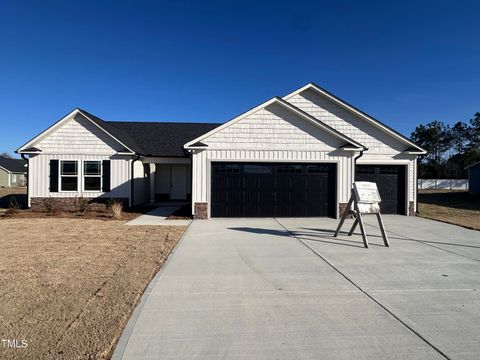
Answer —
83 176
60 188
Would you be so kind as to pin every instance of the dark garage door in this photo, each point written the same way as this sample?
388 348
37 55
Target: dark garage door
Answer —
390 181
272 189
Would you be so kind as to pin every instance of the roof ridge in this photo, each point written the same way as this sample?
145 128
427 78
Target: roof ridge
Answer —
160 122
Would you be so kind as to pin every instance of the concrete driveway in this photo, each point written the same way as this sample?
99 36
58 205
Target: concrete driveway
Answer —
285 289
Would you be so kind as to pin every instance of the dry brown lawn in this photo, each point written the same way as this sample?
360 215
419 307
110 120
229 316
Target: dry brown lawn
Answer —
454 207
68 286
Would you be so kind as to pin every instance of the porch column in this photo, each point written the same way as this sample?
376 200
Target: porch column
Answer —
152 182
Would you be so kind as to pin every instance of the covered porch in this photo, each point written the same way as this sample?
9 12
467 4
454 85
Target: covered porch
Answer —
163 180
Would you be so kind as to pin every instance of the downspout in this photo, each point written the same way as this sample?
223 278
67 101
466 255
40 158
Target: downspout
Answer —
24 157
355 163
416 187
132 182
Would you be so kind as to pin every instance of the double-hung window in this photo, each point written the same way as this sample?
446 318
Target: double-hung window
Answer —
92 175
68 175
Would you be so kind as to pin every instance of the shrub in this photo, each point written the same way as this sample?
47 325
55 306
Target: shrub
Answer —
13 207
14 204
51 206
81 204
116 207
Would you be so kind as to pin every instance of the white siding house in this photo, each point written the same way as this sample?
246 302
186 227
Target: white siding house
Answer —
293 156
76 140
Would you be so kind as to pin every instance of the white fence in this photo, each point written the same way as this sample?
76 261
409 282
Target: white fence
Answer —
443 184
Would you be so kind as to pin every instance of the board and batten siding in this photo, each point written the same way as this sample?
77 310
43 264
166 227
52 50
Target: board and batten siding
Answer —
272 134
140 180
39 176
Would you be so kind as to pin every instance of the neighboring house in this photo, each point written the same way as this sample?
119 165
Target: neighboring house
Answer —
13 172
291 156
474 178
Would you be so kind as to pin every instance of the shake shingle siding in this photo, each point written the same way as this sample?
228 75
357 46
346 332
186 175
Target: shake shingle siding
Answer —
346 122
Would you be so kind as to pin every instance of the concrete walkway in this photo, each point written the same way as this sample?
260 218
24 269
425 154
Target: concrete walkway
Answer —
285 289
159 216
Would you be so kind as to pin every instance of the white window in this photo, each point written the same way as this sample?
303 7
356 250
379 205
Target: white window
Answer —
68 175
92 175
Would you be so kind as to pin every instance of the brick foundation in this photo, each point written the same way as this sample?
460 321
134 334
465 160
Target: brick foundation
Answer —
72 203
411 208
201 210
341 208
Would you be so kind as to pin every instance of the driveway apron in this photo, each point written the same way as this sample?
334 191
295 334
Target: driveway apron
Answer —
258 289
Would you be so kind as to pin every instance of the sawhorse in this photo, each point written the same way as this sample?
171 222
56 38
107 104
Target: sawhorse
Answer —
359 221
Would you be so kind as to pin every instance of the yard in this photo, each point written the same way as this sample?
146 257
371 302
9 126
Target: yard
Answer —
455 207
70 285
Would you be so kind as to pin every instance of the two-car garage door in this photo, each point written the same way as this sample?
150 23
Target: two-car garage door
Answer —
273 189
295 189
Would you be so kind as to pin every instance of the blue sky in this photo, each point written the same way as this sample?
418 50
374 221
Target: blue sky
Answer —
405 62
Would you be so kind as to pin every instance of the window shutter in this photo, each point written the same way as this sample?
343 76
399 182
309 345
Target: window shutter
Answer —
53 175
106 175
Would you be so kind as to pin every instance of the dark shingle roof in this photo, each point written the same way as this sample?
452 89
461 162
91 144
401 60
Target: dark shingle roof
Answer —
161 139
13 165
154 138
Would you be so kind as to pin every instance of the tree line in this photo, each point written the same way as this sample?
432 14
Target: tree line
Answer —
450 148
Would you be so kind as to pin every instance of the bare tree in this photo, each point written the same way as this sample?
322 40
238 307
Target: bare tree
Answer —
6 155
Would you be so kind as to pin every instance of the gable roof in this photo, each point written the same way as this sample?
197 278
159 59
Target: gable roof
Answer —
13 165
352 144
162 139
358 112
28 149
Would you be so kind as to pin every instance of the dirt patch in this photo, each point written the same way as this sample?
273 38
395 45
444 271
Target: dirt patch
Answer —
128 214
454 207
70 285
184 213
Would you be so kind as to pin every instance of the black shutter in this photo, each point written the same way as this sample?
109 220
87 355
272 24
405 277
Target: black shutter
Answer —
53 175
106 175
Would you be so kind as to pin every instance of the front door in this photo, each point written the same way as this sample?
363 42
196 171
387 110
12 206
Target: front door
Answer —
178 189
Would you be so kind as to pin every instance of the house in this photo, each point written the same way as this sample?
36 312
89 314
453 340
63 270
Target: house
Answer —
474 178
13 172
292 156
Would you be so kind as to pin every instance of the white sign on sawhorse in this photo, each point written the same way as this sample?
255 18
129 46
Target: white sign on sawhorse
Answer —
365 199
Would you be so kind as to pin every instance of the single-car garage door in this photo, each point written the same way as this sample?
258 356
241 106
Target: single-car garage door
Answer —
272 189
390 181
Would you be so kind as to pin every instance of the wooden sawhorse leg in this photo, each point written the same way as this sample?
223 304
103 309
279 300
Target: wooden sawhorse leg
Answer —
382 229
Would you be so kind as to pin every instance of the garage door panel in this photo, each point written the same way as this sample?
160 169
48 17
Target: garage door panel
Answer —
390 180
274 189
